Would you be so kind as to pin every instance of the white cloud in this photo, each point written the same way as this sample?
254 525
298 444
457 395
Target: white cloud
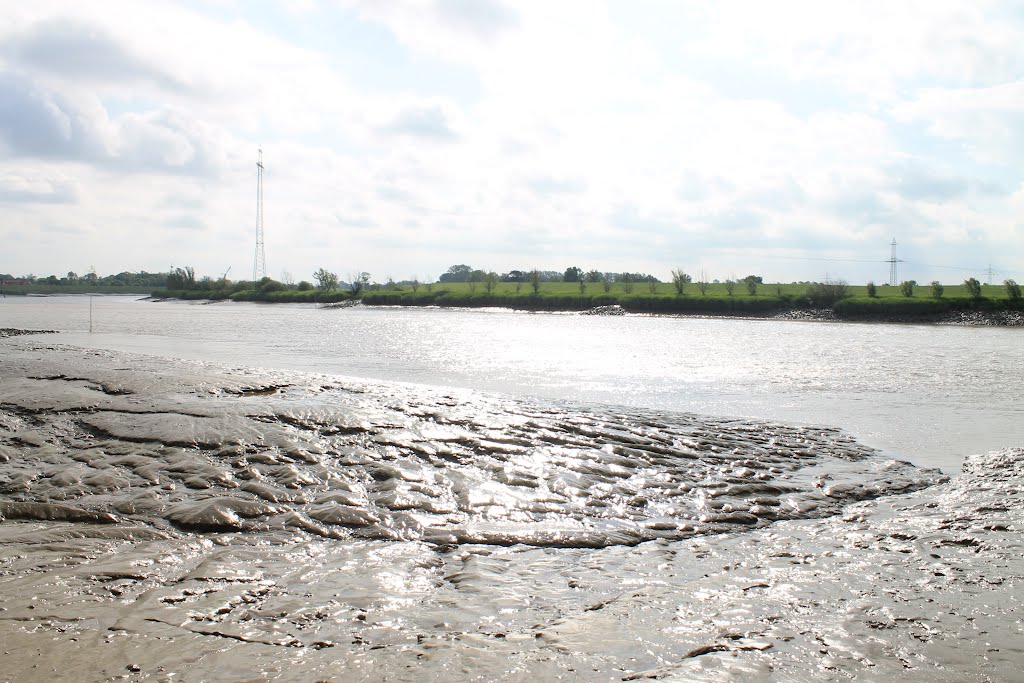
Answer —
454 29
987 120
429 121
38 187
872 47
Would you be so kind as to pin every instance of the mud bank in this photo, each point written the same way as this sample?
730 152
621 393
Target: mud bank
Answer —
166 520
13 332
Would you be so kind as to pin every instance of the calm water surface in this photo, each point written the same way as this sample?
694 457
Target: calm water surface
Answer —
930 394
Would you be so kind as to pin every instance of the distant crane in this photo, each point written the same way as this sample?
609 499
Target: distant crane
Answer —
224 277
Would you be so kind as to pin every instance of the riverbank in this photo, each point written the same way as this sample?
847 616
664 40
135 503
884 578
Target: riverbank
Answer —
967 312
13 332
168 520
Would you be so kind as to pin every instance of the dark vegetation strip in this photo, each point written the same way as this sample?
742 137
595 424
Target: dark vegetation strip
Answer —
848 308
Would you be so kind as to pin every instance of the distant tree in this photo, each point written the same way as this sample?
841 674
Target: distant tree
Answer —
72 276
594 276
652 285
514 276
973 288
937 289
490 281
582 286
414 283
679 280
265 284
325 279
457 273
287 279
534 277
1012 289
606 282
827 293
358 283
626 281
907 288
572 274
178 278
702 283
730 286
751 282
872 290
305 285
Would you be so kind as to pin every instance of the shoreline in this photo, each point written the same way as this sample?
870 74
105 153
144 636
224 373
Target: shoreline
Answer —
919 585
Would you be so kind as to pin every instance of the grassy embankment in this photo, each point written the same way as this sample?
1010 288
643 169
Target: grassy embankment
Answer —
566 296
769 298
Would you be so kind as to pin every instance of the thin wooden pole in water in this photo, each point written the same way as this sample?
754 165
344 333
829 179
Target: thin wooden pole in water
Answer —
90 314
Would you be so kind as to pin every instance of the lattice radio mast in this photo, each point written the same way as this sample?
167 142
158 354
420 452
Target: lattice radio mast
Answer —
892 264
259 266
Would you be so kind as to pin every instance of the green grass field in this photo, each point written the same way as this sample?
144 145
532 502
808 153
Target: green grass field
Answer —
508 289
638 297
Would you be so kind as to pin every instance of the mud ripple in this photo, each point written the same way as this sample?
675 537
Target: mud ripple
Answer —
217 450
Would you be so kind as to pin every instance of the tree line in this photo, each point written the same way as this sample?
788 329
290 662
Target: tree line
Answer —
184 279
125 278
937 290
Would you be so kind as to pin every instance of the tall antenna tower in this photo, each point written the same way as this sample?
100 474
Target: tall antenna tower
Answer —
259 266
892 264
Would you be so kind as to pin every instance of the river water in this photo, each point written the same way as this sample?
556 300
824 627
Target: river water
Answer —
926 393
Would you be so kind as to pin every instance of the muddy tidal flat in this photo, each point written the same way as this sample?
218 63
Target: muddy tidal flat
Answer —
166 520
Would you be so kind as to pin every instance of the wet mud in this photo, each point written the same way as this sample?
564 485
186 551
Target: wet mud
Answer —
167 520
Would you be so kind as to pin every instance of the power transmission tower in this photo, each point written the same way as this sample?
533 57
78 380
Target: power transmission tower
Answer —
990 271
892 264
259 266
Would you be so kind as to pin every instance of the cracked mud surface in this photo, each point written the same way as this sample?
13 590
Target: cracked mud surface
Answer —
178 521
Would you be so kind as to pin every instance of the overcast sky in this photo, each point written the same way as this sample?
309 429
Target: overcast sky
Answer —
789 139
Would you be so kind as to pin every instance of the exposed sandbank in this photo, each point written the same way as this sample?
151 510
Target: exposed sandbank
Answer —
168 520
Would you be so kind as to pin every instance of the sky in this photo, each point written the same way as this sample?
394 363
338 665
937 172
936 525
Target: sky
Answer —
791 140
